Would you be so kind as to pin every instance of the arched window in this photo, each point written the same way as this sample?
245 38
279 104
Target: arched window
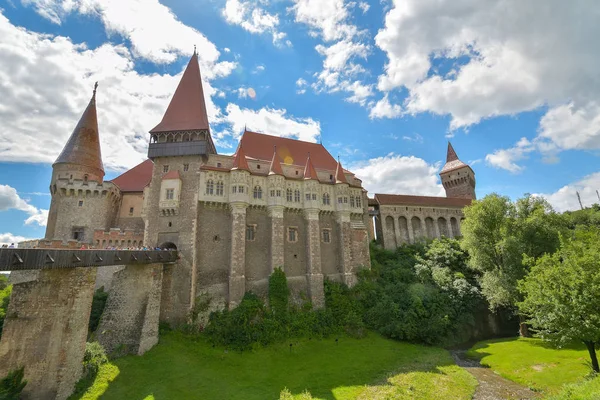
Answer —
288 195
220 188
85 178
297 196
257 192
210 187
326 199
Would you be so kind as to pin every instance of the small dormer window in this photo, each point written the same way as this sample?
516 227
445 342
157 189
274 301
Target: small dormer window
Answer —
257 166
165 168
85 178
219 165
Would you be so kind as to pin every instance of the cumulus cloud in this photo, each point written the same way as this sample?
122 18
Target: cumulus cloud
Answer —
507 158
272 121
254 19
10 199
154 31
384 109
504 57
301 84
8 239
565 198
399 175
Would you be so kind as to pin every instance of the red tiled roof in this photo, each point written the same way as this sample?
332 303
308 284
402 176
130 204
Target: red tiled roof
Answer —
136 179
309 170
289 151
187 109
83 146
240 162
400 199
339 174
211 168
174 174
275 168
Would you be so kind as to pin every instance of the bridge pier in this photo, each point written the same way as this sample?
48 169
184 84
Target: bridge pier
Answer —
129 323
46 329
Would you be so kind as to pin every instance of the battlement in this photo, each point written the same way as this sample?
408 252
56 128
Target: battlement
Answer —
50 244
116 237
84 189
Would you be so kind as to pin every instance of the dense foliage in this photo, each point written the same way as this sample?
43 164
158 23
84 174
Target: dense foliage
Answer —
562 291
4 299
589 216
93 358
12 385
98 304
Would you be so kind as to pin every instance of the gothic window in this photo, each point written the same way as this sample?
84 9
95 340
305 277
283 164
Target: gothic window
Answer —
220 188
340 200
241 189
278 193
345 200
292 234
326 200
358 202
250 232
186 167
257 192
307 196
297 196
288 194
210 186
272 192
170 194
326 236
351 201
314 196
165 168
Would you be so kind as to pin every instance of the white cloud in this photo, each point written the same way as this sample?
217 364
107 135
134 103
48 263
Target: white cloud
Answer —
226 49
399 175
10 199
384 109
507 158
259 68
415 137
47 82
505 57
565 198
8 239
273 122
326 18
569 127
364 6
337 55
154 31
301 84
242 93
254 19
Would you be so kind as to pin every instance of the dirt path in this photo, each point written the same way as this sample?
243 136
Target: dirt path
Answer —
491 385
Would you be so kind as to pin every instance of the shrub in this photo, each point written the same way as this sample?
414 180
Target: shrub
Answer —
93 358
12 385
4 299
98 304
279 293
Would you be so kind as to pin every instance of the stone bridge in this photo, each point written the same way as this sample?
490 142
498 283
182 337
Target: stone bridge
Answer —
46 325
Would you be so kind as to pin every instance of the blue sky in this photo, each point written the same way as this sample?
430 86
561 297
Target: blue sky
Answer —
383 84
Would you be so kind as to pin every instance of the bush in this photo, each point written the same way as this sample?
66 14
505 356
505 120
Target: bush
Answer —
4 299
12 385
279 293
98 304
93 358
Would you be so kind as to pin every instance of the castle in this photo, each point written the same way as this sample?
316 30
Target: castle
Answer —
276 202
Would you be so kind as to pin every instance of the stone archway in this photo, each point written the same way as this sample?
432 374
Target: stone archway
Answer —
403 225
417 228
430 227
168 246
443 226
390 241
454 226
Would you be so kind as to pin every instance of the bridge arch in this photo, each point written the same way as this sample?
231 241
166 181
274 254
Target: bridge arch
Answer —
168 246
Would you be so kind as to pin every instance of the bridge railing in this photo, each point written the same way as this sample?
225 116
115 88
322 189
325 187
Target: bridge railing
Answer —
27 259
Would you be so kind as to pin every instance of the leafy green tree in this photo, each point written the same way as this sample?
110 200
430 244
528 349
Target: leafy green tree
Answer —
4 299
12 385
497 233
3 281
562 290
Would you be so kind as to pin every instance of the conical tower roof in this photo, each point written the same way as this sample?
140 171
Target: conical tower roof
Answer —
187 109
452 161
309 170
240 162
83 147
339 173
275 168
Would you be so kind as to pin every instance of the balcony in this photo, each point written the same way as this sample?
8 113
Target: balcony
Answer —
173 149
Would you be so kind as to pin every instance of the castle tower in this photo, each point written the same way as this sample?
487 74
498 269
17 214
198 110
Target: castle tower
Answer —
457 177
81 201
180 142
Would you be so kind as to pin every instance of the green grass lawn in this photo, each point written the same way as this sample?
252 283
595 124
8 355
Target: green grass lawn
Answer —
369 368
534 363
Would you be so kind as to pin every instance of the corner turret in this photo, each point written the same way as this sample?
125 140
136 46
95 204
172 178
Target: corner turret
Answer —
457 177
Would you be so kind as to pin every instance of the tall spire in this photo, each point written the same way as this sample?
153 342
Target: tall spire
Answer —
240 162
187 109
83 147
451 155
275 168
339 173
309 170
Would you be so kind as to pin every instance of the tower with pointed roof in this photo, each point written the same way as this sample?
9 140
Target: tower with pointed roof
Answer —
81 201
457 177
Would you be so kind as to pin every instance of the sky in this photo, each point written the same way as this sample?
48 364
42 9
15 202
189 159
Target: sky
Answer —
383 84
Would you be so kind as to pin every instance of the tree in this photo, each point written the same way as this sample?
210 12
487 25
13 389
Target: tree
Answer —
561 292
497 233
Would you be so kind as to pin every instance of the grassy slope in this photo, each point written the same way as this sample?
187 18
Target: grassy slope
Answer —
533 363
179 368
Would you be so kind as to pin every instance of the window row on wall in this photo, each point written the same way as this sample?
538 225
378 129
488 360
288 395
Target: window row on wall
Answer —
291 234
292 196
